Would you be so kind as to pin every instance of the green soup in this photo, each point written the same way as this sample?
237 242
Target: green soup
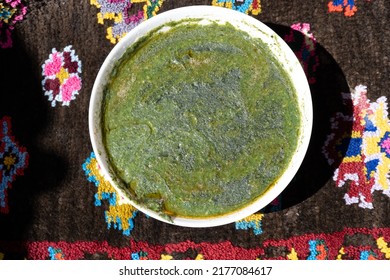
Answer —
199 120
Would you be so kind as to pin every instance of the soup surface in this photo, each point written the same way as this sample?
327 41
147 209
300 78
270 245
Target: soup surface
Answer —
199 120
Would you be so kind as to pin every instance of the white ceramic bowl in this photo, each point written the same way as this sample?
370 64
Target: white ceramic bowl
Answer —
279 49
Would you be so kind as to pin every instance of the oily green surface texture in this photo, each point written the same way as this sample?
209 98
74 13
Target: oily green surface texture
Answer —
199 120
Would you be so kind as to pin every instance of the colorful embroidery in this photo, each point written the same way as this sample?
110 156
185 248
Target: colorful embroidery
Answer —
55 254
254 221
308 246
61 72
318 250
383 246
364 155
166 257
341 254
293 255
348 6
244 6
13 161
304 48
251 222
330 246
139 256
119 215
124 14
367 255
11 12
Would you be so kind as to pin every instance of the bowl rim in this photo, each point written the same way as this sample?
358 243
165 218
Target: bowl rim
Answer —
295 70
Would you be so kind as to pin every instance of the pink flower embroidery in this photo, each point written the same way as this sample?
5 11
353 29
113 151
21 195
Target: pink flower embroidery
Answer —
11 11
61 73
